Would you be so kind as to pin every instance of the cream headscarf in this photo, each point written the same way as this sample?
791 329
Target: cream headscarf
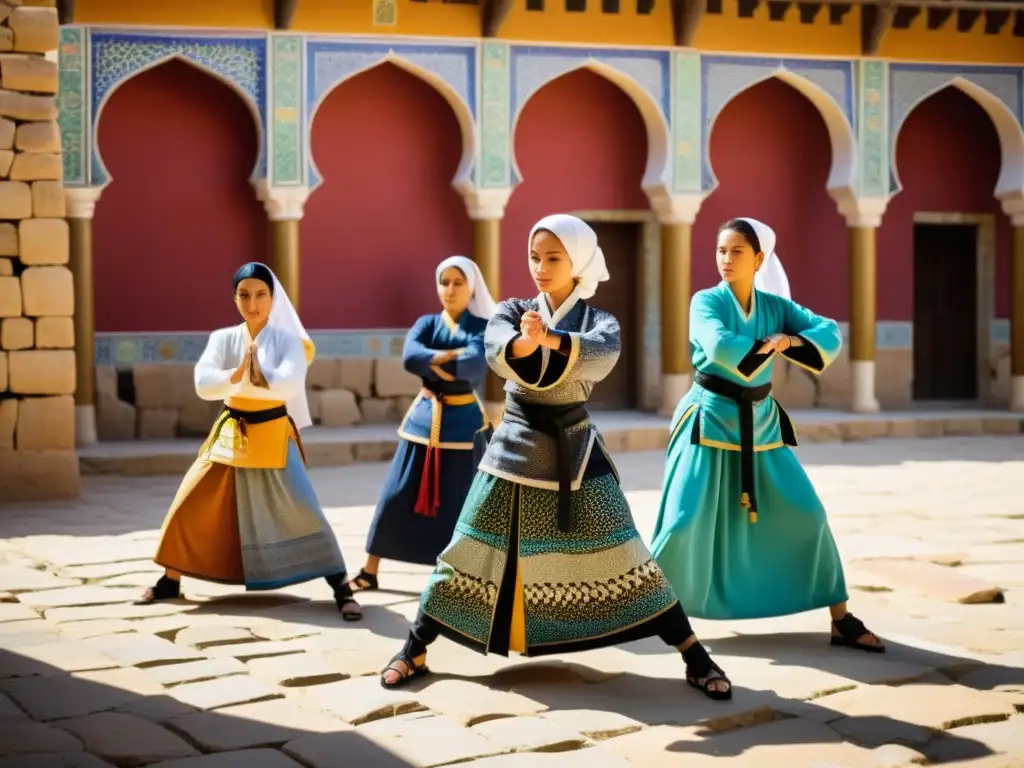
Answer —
481 303
588 267
284 318
771 277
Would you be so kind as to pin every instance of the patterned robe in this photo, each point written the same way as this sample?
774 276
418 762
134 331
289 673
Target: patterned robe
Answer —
511 579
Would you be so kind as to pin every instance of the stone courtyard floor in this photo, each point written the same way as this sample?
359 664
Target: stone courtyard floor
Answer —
932 532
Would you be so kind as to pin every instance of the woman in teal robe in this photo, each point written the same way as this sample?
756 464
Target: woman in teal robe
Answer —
741 532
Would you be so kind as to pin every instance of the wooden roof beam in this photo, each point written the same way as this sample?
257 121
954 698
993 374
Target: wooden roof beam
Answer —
493 15
686 18
284 12
66 11
875 21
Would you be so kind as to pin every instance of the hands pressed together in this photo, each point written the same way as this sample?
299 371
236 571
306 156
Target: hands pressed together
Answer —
780 342
250 366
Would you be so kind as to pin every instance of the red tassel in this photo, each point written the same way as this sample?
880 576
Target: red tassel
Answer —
428 500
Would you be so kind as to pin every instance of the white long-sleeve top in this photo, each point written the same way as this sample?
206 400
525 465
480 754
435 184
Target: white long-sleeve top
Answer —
282 359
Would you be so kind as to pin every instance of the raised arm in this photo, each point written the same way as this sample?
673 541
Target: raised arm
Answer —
822 339
288 376
499 340
594 353
732 351
212 379
470 364
417 357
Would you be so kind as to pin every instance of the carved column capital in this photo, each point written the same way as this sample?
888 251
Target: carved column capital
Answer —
282 203
671 208
81 201
486 203
861 211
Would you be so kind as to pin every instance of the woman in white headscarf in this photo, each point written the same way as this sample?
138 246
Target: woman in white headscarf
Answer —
741 533
546 557
445 430
246 512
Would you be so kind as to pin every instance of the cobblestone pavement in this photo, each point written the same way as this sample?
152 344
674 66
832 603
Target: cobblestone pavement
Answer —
930 531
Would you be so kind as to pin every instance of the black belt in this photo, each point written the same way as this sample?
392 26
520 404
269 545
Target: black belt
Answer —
744 397
553 421
248 417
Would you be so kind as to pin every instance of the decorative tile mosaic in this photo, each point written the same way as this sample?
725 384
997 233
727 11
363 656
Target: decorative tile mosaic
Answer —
286 166
331 62
72 104
873 129
724 77
910 84
494 169
686 121
127 349
118 56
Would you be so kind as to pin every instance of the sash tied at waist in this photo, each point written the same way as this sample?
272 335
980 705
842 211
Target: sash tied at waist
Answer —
744 397
242 418
553 421
428 500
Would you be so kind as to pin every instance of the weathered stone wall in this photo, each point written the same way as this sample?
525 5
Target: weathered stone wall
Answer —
155 402
37 356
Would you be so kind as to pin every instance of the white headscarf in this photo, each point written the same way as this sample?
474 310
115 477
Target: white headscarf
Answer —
284 318
771 277
588 267
481 302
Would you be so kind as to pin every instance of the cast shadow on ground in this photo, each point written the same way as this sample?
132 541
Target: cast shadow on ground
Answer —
276 606
49 717
753 718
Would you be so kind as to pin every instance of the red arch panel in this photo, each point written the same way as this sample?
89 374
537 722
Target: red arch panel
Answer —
580 144
387 146
948 158
179 215
771 153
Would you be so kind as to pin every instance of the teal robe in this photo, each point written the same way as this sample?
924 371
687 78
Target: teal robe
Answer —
722 565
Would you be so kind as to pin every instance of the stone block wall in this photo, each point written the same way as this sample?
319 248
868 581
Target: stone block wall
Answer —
37 356
158 402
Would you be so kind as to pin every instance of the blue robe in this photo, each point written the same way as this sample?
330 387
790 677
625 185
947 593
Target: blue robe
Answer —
440 443
722 565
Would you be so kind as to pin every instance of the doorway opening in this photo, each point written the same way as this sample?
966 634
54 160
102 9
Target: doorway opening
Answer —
945 312
622 246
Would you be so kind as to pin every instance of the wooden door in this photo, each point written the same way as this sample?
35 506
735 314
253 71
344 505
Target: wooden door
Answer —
945 312
621 245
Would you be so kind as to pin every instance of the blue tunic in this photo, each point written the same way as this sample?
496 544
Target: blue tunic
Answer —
441 440
722 565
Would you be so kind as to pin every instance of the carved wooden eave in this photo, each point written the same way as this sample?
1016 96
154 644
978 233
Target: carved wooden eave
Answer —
686 18
66 11
284 12
875 21
493 15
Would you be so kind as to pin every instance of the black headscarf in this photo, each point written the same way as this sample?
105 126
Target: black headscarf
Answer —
257 271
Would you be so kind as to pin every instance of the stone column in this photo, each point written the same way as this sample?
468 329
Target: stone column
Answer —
284 206
81 205
486 207
863 217
1017 316
37 340
676 214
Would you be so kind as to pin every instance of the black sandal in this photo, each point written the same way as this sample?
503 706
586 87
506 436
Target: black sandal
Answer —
165 589
851 630
696 657
412 670
367 579
343 596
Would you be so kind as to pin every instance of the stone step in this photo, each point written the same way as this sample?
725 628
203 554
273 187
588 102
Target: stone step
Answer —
623 431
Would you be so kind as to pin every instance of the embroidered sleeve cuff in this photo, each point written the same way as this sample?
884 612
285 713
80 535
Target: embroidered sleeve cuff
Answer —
753 362
807 355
